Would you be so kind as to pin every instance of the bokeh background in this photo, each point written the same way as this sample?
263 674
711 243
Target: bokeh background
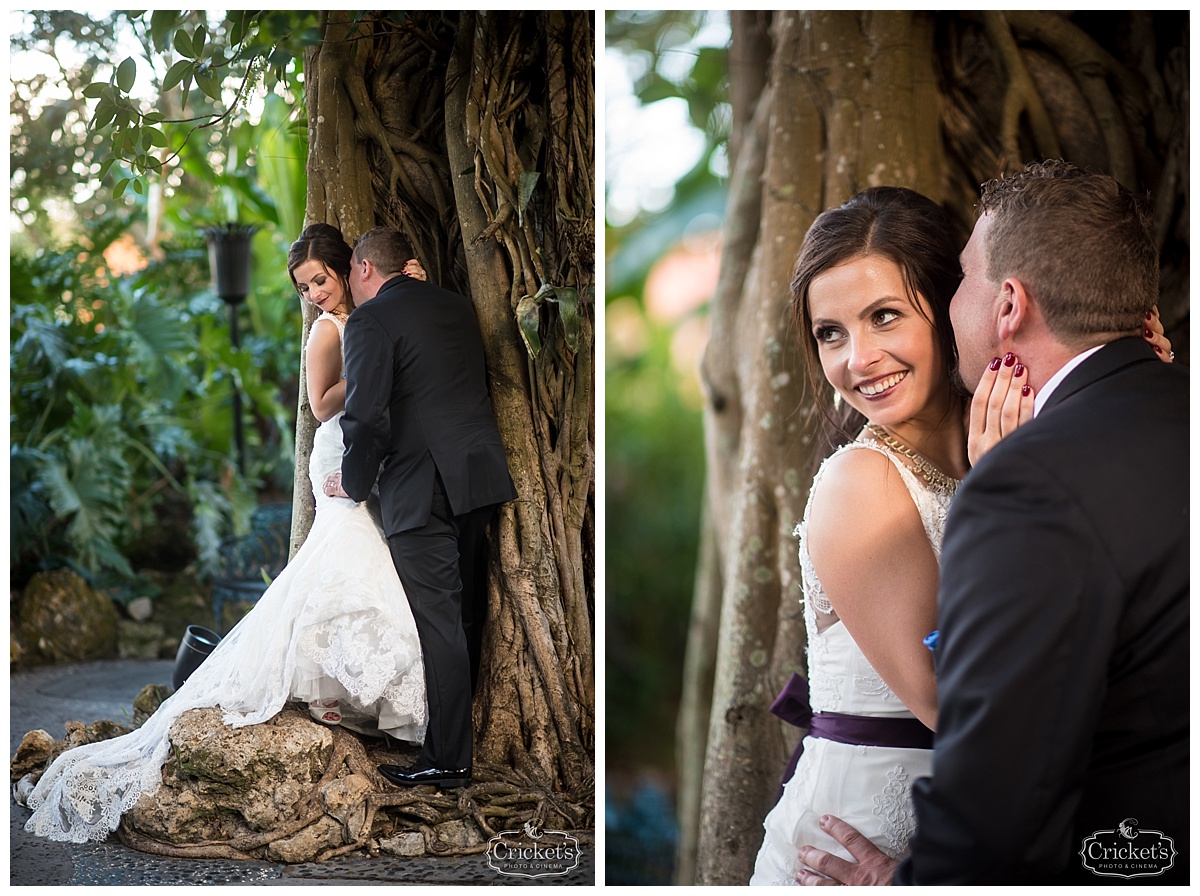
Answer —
665 125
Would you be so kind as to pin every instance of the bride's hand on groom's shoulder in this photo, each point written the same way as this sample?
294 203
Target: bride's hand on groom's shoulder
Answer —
1002 402
871 868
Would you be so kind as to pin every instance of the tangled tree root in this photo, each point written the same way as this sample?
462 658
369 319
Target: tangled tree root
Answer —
498 800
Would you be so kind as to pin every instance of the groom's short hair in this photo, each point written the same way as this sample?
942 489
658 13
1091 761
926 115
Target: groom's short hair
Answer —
1081 243
385 248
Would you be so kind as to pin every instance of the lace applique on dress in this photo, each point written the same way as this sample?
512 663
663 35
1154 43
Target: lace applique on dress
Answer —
895 807
871 685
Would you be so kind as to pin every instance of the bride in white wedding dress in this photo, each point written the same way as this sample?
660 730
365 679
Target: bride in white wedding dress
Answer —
333 631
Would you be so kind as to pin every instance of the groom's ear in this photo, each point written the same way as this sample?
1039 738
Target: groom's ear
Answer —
1014 309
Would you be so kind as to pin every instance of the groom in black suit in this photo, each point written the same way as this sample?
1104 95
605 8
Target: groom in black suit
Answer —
417 402
1061 753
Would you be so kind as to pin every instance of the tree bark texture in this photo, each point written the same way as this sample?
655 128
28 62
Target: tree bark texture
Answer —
837 102
472 132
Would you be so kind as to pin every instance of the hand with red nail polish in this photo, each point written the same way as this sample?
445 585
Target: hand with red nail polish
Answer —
1154 334
1003 401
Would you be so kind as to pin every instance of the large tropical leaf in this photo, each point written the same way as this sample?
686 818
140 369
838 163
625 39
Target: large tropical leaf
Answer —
88 486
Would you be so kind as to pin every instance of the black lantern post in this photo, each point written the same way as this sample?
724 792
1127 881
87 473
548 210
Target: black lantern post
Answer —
229 261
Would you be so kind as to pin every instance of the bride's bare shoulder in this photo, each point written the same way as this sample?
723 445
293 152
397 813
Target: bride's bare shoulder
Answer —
861 489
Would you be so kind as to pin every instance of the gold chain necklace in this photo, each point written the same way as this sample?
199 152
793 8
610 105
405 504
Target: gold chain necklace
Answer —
936 479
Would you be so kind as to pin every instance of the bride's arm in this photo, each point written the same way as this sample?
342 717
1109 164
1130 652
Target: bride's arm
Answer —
323 371
876 565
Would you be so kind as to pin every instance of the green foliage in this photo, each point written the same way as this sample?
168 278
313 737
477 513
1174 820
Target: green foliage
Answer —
120 395
240 53
121 386
654 453
654 472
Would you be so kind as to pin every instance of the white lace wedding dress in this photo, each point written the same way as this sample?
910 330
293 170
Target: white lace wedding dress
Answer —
334 624
869 787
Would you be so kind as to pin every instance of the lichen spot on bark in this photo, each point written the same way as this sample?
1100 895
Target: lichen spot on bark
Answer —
791 481
766 421
758 657
763 574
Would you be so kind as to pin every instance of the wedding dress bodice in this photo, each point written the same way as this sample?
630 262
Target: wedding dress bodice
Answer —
839 677
327 446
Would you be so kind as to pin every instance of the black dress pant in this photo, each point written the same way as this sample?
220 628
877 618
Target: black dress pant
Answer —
429 560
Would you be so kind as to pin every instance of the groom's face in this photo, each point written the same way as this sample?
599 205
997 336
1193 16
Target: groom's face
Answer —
972 309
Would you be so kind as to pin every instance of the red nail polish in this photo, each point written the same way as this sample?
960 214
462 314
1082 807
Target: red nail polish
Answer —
1146 332
995 365
1025 390
1157 349
1149 315
1009 359
1018 370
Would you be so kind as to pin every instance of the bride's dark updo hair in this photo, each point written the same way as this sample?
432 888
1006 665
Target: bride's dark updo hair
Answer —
323 243
898 224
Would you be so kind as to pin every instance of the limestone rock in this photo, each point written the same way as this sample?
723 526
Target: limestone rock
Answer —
140 609
406 845
79 734
306 845
60 619
33 754
38 749
224 782
459 833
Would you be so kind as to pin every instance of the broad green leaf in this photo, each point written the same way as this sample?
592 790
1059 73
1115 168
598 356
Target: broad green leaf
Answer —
119 189
199 39
161 23
105 113
95 90
176 72
187 86
183 44
126 74
207 81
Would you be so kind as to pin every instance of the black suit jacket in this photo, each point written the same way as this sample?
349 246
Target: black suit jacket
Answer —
417 402
1062 661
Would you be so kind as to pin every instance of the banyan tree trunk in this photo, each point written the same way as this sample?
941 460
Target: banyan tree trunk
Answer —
472 132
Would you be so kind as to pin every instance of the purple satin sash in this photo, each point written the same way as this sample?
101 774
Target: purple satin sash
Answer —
872 731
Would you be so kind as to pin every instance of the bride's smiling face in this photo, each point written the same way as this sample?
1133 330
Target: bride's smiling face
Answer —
317 284
877 349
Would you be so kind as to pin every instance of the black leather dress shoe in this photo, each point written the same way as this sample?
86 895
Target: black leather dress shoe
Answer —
440 777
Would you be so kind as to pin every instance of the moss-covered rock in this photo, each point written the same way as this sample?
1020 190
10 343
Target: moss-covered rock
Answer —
61 619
